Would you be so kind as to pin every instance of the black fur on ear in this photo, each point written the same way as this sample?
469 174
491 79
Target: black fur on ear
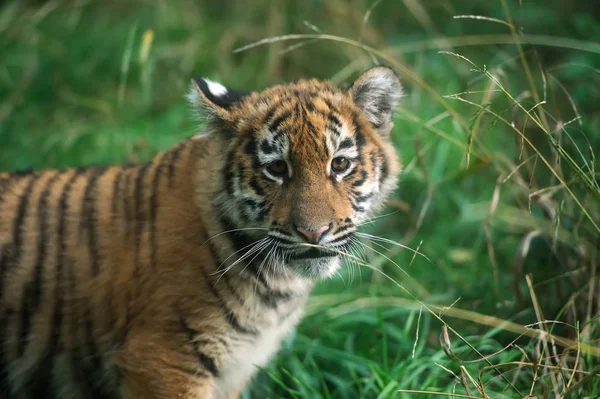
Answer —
213 98
377 92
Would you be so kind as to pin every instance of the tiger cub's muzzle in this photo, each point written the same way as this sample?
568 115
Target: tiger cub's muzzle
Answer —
305 242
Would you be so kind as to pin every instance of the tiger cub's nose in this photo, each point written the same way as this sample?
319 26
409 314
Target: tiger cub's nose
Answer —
313 235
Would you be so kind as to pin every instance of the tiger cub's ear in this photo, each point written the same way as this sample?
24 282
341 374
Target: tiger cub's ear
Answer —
377 92
212 98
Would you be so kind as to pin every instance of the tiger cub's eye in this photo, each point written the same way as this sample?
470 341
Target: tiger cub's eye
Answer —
340 164
277 168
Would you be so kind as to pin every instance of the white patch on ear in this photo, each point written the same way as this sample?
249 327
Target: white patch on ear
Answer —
377 92
217 89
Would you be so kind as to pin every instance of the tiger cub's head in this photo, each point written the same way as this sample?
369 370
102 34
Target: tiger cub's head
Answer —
307 162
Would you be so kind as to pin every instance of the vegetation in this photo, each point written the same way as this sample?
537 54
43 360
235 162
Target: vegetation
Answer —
481 278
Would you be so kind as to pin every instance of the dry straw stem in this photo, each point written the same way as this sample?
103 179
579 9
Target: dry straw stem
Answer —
415 46
587 328
577 357
479 386
433 44
491 321
482 18
542 327
463 380
488 233
445 394
524 62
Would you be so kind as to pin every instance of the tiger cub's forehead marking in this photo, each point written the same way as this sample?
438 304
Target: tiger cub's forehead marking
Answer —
273 145
341 143
331 138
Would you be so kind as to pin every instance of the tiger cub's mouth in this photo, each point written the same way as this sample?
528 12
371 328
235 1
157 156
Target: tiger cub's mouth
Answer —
314 253
331 245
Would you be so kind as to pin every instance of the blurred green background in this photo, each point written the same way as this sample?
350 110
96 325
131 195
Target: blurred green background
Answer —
499 195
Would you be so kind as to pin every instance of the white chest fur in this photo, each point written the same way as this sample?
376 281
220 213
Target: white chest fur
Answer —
248 354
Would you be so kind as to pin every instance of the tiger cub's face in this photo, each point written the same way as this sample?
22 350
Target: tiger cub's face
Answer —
306 162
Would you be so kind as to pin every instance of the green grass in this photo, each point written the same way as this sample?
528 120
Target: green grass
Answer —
497 188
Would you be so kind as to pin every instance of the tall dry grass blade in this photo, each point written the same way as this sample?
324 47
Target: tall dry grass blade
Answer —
414 256
572 376
464 382
452 395
430 185
125 64
366 18
524 62
543 340
569 97
531 182
417 333
419 12
448 371
477 386
489 40
392 242
482 18
587 329
488 233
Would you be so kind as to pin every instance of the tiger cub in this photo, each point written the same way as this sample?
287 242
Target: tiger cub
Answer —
177 278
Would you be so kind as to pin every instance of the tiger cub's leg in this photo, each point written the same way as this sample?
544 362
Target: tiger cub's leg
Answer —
160 370
167 384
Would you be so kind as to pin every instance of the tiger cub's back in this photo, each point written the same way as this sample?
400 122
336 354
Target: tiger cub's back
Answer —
72 245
